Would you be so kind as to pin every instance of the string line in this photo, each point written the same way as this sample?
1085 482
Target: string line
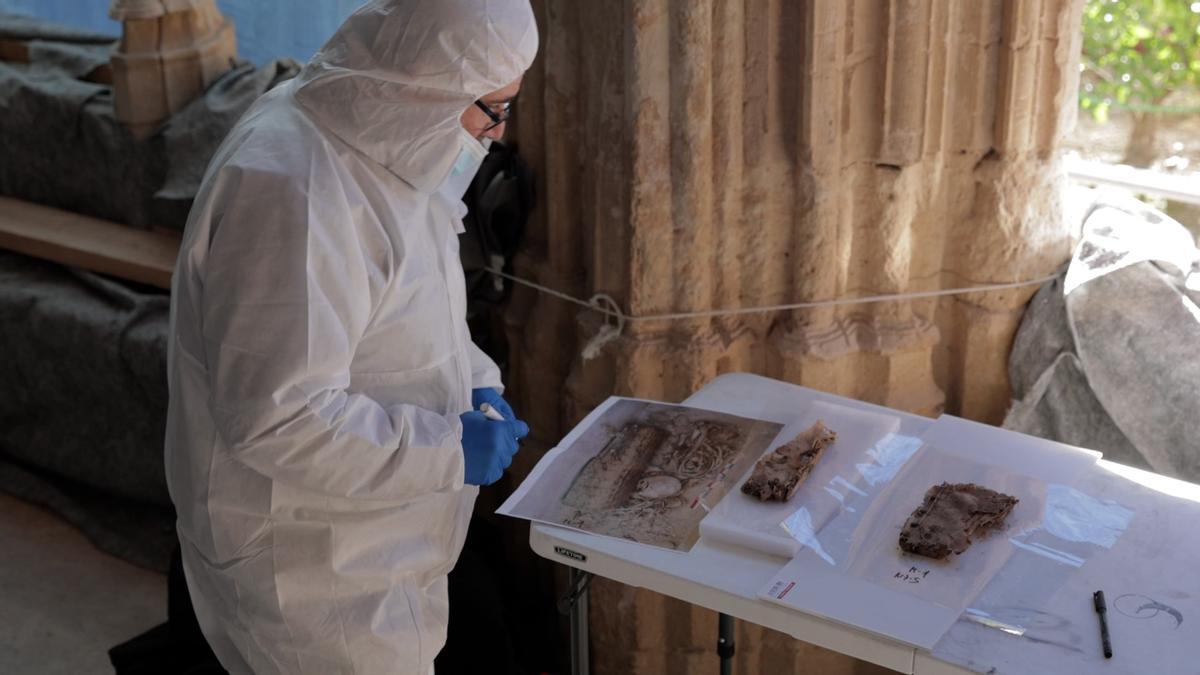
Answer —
605 304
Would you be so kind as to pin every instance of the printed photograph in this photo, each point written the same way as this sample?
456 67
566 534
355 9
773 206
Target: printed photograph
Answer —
647 472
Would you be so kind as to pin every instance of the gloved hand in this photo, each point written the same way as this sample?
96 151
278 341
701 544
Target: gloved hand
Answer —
493 398
489 446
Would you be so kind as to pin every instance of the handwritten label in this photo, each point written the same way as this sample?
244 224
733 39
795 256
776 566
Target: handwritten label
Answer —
913 575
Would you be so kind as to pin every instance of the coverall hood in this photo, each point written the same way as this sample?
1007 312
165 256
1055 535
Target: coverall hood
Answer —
394 80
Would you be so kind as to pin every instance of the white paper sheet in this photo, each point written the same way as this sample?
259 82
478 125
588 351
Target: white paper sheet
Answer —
1112 240
857 573
875 555
641 470
863 569
846 465
1147 571
835 596
1050 461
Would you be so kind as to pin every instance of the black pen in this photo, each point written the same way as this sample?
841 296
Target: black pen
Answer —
1102 610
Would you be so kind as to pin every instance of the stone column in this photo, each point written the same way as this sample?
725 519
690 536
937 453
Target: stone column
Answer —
708 154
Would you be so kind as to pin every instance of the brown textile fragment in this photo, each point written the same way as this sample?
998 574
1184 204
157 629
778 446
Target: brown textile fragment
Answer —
777 476
951 515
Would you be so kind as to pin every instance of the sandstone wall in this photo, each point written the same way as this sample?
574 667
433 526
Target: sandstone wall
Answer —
703 154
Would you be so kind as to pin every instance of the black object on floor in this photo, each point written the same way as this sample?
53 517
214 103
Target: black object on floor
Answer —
479 636
176 646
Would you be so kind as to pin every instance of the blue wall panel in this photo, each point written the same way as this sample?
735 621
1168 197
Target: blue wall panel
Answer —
266 29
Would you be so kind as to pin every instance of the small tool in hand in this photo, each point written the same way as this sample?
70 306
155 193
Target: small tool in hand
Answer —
1102 610
493 413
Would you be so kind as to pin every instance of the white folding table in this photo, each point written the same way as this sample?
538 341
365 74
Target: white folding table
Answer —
727 579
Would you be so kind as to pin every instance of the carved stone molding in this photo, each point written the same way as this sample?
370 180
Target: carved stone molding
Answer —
858 332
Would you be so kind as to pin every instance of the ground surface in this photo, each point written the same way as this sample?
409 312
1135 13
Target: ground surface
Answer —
1178 139
63 603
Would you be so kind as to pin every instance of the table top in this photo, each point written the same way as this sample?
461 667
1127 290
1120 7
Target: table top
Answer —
728 579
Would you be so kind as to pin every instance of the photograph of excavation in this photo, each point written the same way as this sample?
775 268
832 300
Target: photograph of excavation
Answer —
647 472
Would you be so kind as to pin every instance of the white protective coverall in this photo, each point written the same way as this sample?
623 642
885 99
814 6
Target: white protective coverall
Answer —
319 356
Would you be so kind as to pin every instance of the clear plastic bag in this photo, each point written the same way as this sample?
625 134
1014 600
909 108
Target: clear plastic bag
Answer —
875 555
1075 527
866 453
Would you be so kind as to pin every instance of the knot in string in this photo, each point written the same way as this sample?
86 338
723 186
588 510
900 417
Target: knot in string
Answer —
614 324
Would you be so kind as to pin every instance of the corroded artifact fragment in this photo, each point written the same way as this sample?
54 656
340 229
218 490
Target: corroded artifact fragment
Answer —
950 516
777 476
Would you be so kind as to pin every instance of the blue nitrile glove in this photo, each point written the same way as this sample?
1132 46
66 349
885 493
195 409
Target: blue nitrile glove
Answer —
489 446
493 398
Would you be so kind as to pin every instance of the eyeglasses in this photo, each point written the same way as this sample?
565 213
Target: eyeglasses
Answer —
496 118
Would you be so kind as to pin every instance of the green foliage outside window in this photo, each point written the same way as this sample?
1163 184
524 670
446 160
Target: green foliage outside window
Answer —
1137 52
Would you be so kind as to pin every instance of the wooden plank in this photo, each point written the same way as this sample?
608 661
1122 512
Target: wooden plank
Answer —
103 246
101 74
15 51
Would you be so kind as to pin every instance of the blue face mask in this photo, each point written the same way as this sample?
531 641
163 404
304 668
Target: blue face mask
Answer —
470 157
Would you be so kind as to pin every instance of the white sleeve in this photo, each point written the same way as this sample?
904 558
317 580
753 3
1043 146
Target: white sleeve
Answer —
288 290
484 371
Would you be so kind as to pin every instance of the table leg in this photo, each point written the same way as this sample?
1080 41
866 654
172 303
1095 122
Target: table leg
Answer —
725 646
578 597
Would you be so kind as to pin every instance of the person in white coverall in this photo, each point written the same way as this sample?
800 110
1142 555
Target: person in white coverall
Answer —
322 441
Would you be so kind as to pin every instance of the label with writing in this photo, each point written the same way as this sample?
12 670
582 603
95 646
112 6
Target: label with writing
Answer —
913 575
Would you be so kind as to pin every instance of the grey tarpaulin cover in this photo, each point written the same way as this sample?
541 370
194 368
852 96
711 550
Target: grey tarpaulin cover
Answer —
56 47
64 148
83 379
1108 354
83 403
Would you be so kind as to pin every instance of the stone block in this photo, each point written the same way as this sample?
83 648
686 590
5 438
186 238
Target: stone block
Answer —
219 54
168 56
140 36
183 77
